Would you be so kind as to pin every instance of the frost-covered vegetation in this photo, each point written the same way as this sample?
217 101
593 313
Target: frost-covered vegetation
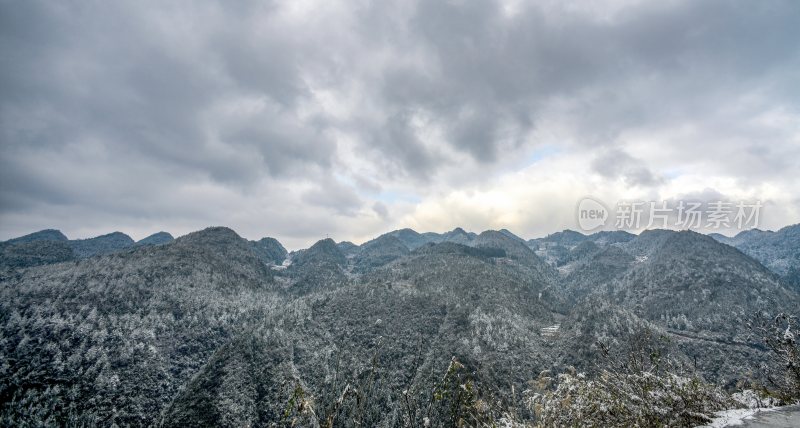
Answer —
643 387
456 331
782 369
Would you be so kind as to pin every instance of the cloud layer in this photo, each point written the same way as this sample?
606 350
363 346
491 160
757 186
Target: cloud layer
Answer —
305 119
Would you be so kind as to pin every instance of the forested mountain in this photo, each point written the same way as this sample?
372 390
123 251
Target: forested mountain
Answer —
269 250
34 253
413 239
209 329
320 267
42 235
347 248
52 246
562 248
156 239
38 248
779 251
379 252
596 269
698 289
112 339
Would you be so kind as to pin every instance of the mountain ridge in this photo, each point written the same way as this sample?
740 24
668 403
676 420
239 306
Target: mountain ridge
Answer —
208 329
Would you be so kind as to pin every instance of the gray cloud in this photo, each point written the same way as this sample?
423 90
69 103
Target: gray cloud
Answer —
615 163
128 114
381 209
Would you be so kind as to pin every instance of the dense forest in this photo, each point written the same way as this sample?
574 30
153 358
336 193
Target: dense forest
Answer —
409 329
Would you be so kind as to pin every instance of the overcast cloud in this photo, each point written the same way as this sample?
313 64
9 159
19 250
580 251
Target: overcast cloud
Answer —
301 119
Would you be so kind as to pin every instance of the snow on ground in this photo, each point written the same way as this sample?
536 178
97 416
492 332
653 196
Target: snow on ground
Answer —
733 417
773 417
753 400
754 404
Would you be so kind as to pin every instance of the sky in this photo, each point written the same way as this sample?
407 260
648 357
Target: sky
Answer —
303 120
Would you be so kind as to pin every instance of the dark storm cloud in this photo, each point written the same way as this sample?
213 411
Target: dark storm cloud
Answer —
117 107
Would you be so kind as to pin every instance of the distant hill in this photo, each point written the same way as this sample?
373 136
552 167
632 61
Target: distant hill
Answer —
511 235
458 235
323 251
23 254
347 248
379 252
156 239
560 249
565 238
413 240
319 267
42 235
517 250
52 246
269 250
105 244
779 251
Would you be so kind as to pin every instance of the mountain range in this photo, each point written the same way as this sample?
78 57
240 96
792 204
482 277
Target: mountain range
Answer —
213 329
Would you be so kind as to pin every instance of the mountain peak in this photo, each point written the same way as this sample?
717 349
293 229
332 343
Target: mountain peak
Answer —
383 241
685 244
514 248
410 237
42 235
324 243
566 237
347 248
100 245
156 239
511 235
379 252
215 235
459 236
323 251
269 250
